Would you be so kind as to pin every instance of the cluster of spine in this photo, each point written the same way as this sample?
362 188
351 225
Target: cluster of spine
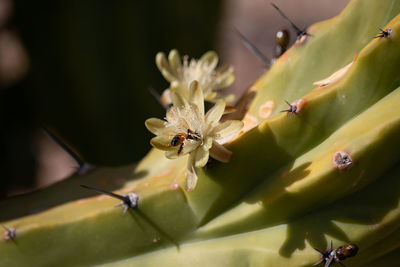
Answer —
324 170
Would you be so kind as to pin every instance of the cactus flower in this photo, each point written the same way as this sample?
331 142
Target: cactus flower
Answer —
181 74
188 131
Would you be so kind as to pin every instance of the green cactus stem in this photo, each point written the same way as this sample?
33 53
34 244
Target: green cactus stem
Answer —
296 180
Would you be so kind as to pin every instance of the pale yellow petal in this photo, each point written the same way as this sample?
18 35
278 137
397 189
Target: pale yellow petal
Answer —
210 96
225 77
191 175
201 157
163 66
196 96
175 86
161 142
172 154
174 60
179 101
189 146
156 126
210 58
229 98
226 128
215 113
208 141
220 153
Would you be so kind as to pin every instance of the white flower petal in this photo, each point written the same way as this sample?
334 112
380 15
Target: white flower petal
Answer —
161 142
210 96
174 60
163 66
215 113
220 153
208 141
189 146
175 86
225 77
201 157
196 96
178 101
191 175
156 126
210 58
229 98
226 128
172 154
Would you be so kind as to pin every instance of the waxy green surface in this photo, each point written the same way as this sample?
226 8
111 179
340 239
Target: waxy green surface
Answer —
216 223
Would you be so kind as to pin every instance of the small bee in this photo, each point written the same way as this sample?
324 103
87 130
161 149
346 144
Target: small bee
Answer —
179 139
384 34
299 33
331 256
292 108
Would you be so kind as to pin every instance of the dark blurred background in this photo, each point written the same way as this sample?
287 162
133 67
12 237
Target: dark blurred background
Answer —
82 69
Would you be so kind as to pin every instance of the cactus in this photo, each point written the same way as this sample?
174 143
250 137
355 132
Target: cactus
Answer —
324 170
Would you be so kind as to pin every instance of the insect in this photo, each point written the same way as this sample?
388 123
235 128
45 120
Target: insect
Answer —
299 33
179 139
332 256
292 108
127 201
384 34
10 234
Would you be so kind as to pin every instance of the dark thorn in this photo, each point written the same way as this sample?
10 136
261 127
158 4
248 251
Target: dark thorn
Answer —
128 201
299 32
292 108
64 146
254 49
111 194
157 96
321 261
11 233
320 252
383 33
329 262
